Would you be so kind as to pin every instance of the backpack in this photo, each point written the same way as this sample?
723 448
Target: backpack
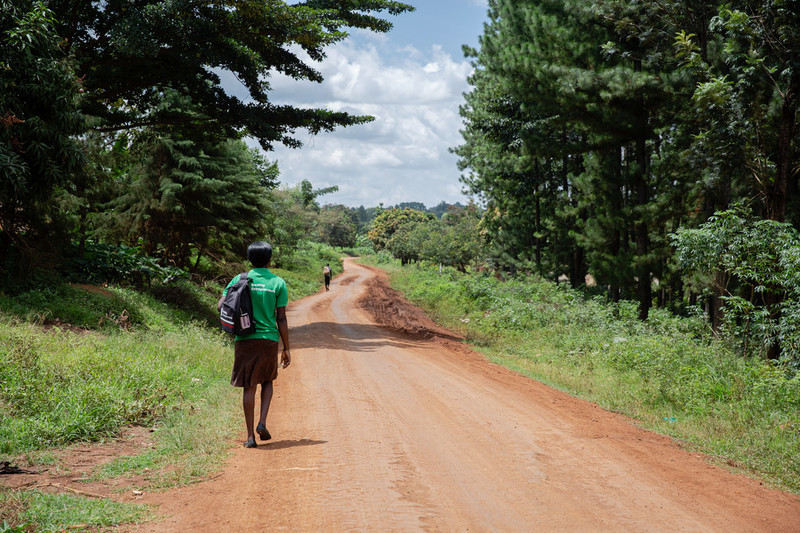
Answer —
235 315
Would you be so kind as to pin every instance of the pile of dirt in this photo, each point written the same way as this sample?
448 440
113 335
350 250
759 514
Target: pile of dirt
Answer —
389 308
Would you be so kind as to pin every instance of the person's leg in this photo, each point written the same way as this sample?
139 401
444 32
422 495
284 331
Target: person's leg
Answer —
249 404
266 399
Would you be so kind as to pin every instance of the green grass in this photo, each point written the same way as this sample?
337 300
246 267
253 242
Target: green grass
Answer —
57 512
669 373
60 387
112 357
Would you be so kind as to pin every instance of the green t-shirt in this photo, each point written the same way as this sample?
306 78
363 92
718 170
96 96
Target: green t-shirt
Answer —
268 292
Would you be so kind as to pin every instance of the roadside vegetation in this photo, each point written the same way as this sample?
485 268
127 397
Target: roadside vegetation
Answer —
670 373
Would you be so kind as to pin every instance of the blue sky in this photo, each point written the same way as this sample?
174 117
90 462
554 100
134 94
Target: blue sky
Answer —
448 23
412 81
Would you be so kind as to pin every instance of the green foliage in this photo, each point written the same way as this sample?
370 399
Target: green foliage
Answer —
38 117
746 100
48 300
295 216
308 195
387 222
192 194
301 268
59 387
459 243
358 251
452 241
105 263
198 304
303 271
62 387
749 262
337 226
596 129
130 53
408 239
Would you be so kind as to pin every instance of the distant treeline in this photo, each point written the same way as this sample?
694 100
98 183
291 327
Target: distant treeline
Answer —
366 214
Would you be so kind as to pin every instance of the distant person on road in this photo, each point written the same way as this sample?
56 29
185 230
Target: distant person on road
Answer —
255 359
326 273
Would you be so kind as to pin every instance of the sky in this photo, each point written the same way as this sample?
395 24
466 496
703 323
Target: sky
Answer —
412 81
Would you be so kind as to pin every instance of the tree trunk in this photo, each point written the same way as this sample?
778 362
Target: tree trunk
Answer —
715 301
642 198
197 263
82 232
777 198
642 238
577 275
617 203
613 293
776 192
538 231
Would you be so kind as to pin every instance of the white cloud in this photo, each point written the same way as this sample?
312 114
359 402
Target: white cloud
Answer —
402 155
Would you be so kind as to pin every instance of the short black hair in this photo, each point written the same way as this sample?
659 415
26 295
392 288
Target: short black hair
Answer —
259 253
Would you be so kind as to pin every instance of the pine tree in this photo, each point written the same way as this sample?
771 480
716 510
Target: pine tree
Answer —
194 196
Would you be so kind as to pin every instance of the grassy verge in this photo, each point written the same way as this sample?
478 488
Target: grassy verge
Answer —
60 387
39 511
668 373
79 363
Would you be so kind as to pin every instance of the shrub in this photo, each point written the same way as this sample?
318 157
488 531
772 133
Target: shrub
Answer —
108 263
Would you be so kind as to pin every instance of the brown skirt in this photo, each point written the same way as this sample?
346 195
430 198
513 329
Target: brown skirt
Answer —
255 361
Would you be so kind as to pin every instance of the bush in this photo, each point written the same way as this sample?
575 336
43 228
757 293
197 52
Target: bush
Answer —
753 267
107 263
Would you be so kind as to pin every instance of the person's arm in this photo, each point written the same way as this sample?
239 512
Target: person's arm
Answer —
225 292
283 330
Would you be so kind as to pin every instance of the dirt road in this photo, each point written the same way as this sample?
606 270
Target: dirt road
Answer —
377 430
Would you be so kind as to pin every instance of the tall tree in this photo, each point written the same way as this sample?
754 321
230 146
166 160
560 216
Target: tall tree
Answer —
747 100
748 97
337 226
595 92
39 96
130 51
389 221
189 196
523 189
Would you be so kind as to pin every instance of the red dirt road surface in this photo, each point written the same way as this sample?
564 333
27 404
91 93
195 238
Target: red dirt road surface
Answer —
376 429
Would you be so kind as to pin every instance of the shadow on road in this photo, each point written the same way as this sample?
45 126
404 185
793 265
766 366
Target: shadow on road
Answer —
282 444
351 337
